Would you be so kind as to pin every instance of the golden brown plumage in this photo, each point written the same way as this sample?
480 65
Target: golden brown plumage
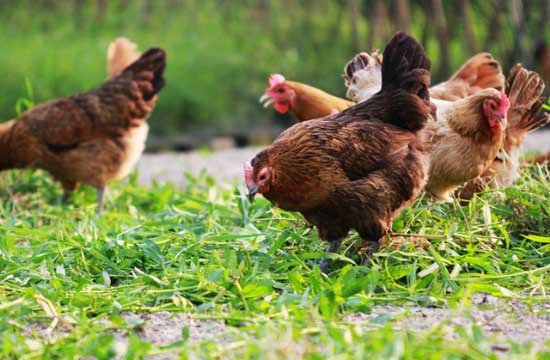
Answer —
465 139
304 102
92 137
359 168
524 89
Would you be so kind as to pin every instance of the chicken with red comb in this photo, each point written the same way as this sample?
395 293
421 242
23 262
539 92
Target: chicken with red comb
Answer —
356 169
303 101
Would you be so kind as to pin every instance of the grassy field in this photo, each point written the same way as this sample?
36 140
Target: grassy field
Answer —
69 279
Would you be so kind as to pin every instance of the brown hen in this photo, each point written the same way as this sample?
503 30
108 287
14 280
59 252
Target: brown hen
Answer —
359 168
92 137
524 89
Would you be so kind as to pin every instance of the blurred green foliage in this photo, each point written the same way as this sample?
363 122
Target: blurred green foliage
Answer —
219 52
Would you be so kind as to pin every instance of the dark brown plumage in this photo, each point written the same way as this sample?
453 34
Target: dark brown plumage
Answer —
359 168
92 137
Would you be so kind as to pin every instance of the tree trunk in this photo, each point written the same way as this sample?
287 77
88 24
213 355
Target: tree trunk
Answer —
518 24
403 15
495 27
100 10
428 23
442 38
469 36
355 10
79 13
377 24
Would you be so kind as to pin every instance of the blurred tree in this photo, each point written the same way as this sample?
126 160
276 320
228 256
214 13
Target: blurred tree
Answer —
469 37
378 26
355 10
442 38
402 15
518 26
100 10
494 28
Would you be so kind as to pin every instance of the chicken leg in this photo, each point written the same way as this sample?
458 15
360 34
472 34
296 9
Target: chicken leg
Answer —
332 248
100 194
373 247
68 189
66 196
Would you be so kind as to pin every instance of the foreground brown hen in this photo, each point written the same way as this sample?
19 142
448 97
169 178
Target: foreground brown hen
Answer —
92 137
359 168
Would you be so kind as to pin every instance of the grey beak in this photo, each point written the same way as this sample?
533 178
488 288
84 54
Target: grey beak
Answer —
252 191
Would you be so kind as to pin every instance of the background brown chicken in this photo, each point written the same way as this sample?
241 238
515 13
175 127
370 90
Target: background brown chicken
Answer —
92 137
303 101
465 140
359 168
121 53
524 89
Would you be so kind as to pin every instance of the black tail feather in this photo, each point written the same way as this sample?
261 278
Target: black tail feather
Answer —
153 60
402 55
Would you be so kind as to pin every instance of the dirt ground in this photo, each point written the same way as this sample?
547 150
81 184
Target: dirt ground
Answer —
500 320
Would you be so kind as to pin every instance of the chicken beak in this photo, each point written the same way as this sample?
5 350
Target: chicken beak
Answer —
266 100
502 120
252 191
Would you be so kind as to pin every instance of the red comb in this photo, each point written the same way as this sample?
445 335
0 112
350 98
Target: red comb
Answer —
504 103
275 79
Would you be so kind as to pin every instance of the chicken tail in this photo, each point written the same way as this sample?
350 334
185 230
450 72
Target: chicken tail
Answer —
363 76
148 70
406 79
121 53
524 89
359 62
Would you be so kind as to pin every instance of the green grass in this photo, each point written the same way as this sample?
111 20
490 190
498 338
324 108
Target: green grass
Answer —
208 252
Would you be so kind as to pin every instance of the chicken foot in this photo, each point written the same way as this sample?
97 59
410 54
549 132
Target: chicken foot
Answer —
373 247
66 196
332 248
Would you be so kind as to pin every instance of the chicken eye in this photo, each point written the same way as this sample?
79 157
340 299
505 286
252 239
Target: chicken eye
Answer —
280 90
262 177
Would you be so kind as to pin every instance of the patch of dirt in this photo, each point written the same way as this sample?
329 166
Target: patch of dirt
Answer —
165 328
510 320
500 320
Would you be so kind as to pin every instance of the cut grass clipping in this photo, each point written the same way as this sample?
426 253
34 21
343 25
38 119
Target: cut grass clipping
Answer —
69 279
